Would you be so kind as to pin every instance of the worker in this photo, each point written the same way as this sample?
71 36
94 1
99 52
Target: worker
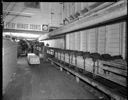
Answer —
32 49
45 52
41 50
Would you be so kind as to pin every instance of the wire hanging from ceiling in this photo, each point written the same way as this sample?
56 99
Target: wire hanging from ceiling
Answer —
7 6
10 10
16 16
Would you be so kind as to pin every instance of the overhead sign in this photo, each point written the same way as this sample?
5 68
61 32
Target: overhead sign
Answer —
22 26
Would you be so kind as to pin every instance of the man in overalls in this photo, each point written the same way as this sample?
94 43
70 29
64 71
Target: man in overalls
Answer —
45 52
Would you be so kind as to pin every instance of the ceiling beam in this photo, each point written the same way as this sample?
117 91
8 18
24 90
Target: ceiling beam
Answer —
24 31
14 14
19 13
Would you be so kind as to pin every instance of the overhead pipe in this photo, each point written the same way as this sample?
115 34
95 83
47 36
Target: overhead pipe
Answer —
19 15
16 15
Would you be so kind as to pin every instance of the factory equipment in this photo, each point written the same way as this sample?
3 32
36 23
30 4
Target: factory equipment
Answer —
22 48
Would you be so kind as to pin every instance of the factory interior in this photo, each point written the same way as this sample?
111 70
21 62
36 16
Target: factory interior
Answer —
64 50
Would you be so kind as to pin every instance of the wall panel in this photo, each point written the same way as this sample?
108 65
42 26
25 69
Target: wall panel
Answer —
112 42
65 10
77 40
77 6
109 39
73 41
123 24
70 41
101 39
56 43
67 41
92 40
73 8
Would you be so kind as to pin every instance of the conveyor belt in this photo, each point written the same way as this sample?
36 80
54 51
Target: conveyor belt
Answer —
109 70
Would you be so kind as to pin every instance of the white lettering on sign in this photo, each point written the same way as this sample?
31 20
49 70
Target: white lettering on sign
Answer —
35 27
10 25
22 26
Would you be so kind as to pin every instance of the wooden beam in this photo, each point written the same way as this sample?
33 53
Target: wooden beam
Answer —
115 70
18 13
21 15
123 82
23 31
114 64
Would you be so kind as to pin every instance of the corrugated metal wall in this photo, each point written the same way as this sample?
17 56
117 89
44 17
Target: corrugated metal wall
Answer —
92 40
77 6
123 46
112 42
77 41
73 7
67 41
70 41
104 39
101 40
84 41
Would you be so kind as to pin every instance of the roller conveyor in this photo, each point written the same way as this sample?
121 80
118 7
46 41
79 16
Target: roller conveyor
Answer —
93 63
113 80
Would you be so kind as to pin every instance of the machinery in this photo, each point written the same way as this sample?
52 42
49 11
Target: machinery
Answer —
22 48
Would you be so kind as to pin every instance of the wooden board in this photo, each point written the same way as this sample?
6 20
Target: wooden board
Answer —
116 65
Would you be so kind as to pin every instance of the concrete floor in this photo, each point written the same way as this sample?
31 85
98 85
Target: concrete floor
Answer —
43 82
